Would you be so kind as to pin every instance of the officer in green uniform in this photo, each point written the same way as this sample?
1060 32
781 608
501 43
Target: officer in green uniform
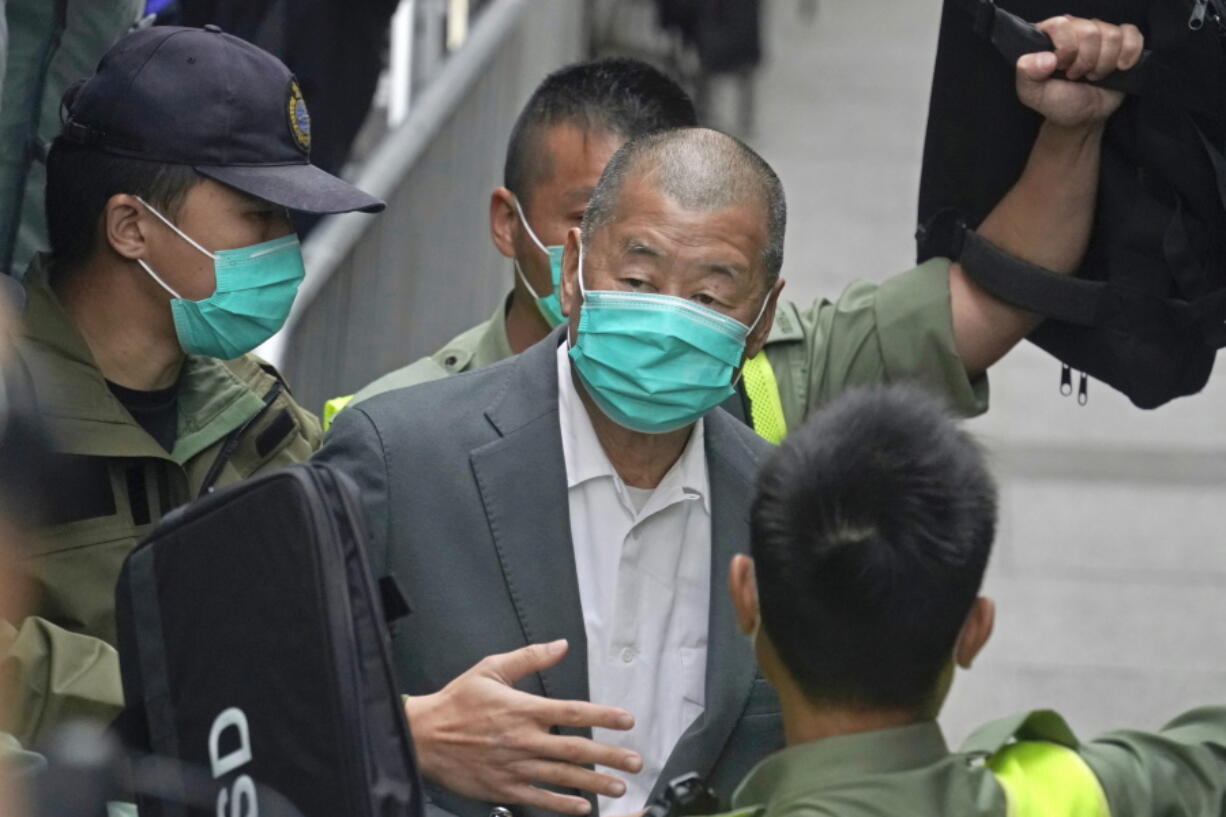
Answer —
574 121
930 325
871 532
172 257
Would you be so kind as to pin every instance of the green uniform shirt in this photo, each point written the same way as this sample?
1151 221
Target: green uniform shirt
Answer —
236 419
480 346
901 329
1180 770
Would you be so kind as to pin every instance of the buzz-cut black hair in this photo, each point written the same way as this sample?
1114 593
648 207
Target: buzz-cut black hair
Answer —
871 533
616 95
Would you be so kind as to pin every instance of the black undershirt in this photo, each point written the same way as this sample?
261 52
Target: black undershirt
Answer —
155 411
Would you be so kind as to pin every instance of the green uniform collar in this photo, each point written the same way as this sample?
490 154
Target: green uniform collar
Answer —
84 415
484 344
1042 724
788 326
798 771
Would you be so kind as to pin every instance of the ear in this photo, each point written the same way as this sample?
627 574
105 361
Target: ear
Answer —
503 221
975 631
124 223
571 296
757 338
744 592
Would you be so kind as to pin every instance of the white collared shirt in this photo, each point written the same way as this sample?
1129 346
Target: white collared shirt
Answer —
644 566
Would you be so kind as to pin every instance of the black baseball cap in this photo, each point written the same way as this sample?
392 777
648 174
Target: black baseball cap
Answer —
207 99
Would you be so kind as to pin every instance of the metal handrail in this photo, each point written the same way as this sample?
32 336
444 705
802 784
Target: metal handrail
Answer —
336 236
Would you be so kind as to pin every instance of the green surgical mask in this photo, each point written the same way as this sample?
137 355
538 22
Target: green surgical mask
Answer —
255 289
655 363
550 306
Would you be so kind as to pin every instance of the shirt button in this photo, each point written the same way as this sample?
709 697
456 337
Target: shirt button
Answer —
627 655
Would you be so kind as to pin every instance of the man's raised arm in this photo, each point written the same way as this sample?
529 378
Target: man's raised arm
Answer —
1047 216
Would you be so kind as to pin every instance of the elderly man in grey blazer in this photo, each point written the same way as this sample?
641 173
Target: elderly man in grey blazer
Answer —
563 521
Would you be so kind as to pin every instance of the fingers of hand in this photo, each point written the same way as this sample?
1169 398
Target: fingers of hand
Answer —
1062 33
567 776
1131 47
582 752
1109 56
548 800
1036 67
1089 35
509 667
581 713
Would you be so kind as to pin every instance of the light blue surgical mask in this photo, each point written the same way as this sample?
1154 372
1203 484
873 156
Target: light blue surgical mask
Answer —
655 363
550 306
255 289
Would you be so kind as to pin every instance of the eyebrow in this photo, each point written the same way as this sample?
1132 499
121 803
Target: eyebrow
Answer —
637 246
729 270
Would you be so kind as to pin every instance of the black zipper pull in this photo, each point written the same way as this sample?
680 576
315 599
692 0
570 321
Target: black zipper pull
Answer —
1066 380
1083 390
1197 21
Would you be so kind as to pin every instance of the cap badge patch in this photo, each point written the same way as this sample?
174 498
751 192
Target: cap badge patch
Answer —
299 119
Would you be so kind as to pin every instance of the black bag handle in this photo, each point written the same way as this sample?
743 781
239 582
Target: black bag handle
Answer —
1015 37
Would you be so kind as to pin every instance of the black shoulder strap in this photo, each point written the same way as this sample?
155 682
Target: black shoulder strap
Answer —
1066 298
1014 281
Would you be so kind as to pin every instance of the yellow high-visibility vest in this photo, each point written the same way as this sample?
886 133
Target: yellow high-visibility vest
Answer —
333 407
1044 779
765 407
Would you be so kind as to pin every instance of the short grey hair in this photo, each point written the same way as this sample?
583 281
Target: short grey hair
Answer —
701 169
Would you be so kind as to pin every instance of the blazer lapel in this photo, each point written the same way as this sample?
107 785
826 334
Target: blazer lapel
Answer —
731 667
522 480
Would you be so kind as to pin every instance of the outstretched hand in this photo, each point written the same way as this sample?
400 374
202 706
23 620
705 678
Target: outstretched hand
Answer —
1084 50
482 739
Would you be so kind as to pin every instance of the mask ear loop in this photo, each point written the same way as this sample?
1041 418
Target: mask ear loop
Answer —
540 245
582 288
171 225
155 277
181 235
761 312
523 279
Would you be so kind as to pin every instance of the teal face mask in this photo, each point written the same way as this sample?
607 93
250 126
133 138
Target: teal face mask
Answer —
255 289
655 363
550 306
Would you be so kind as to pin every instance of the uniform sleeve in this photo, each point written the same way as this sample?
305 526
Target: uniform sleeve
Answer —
353 447
423 370
896 331
57 676
1178 770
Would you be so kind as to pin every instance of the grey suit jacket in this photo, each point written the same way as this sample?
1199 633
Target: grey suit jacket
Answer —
464 486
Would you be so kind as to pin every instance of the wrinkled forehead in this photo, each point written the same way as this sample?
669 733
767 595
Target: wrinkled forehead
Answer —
647 215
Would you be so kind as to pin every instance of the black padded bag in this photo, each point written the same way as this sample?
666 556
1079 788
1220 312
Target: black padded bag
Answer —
1146 312
253 645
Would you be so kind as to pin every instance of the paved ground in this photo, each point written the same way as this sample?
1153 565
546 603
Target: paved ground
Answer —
1110 566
